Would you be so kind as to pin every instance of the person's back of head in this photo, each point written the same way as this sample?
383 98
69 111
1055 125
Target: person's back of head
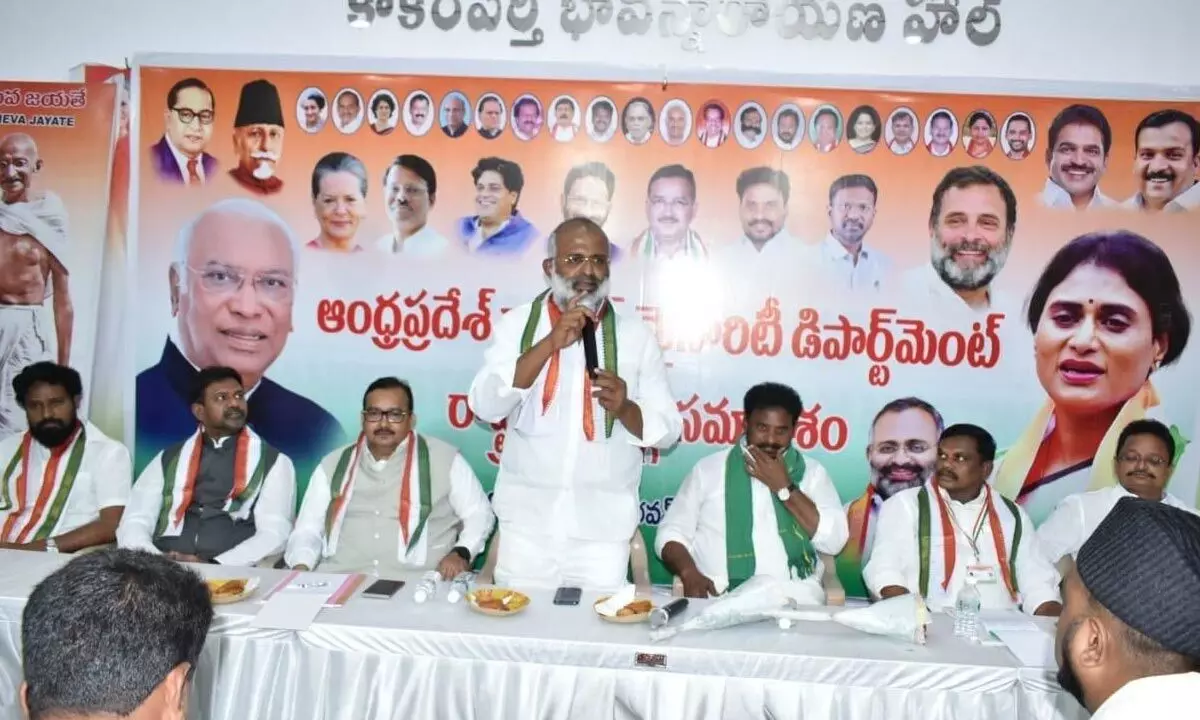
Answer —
114 633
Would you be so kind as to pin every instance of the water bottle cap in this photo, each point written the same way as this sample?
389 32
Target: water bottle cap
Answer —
420 595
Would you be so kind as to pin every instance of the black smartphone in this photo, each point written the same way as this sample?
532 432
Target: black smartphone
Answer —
383 589
567 596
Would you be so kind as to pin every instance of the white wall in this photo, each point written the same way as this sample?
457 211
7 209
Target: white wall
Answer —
1071 47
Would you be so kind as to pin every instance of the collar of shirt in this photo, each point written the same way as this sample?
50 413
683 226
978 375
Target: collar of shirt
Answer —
1183 202
477 240
902 148
217 442
389 243
379 463
174 335
970 504
182 160
939 288
781 242
1054 195
833 249
1159 696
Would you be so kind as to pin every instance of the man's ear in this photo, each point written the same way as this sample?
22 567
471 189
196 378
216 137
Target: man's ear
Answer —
24 693
175 691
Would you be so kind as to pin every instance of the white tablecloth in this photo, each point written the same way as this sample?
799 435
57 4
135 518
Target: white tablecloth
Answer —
396 659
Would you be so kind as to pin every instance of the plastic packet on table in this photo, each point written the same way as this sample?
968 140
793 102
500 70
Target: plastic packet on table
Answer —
904 616
752 601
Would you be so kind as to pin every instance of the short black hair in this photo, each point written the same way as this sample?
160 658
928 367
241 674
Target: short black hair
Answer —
1170 116
420 167
99 634
184 84
899 405
827 111
490 97
770 396
603 105
1020 117
764 175
419 96
1148 427
389 383
981 115
317 98
793 113
339 162
595 169
965 177
47 372
941 114
509 172
846 182
1143 266
211 376
713 106
631 103
677 171
348 92
984 442
1080 114
527 100
871 113
386 100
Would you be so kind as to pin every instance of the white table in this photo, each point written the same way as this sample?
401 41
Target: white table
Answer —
395 659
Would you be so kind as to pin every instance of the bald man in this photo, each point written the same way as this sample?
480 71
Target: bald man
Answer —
33 247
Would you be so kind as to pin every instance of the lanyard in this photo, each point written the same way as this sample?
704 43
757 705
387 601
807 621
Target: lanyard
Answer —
973 538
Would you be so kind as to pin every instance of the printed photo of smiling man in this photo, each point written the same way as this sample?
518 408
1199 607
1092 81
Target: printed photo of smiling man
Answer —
1077 157
1165 162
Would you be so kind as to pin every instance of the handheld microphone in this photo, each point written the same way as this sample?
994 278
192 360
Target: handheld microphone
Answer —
591 357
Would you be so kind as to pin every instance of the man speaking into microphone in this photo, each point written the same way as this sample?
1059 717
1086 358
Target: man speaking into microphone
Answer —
566 496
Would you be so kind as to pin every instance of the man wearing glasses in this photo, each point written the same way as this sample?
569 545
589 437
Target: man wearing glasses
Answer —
566 496
232 288
410 191
179 156
392 503
1145 452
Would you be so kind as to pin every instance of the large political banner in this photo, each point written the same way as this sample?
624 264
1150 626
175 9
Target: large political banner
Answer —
903 260
56 147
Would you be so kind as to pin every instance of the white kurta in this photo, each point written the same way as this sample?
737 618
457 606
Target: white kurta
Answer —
104 479
1186 201
895 555
871 272
1078 516
923 285
1054 195
273 512
554 486
306 545
696 520
1161 697
425 242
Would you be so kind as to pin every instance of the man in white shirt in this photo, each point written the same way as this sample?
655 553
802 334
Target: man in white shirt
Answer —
566 496
932 538
65 482
1128 641
763 194
1166 161
220 496
844 257
903 122
410 192
1145 451
392 502
1077 157
759 508
670 209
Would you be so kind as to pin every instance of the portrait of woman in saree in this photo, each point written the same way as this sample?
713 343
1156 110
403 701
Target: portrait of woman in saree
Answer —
1106 313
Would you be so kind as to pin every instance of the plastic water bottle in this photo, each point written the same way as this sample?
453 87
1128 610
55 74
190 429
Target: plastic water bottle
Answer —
427 587
966 611
459 586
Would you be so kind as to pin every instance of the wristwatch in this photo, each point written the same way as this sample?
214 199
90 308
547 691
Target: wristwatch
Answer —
785 494
51 546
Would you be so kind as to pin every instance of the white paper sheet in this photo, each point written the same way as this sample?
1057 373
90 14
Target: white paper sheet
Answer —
289 611
1033 646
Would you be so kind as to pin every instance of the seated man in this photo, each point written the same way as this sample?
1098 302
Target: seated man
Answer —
231 494
65 483
760 508
114 633
1128 642
1145 451
923 543
350 520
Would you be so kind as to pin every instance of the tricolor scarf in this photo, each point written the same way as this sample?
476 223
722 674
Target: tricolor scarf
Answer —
739 521
341 489
608 341
859 516
1008 525
646 246
57 480
253 459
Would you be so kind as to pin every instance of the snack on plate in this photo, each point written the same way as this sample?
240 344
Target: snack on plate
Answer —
498 600
227 588
637 607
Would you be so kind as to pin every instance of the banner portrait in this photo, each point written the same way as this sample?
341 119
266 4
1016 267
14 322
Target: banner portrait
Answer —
904 261
56 147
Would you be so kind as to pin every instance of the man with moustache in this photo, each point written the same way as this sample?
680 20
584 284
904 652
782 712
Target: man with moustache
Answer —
902 454
313 108
588 192
1143 464
393 502
931 538
223 495
417 121
845 260
637 121
33 251
66 482
566 496
566 123
490 113
751 124
825 130
348 111
456 116
497 227
787 127
602 120
715 129
941 127
1166 162
763 195
1077 156
527 116
676 123
1018 133
758 508
232 286
902 142
258 138
179 156
971 223
670 209
1128 644
410 192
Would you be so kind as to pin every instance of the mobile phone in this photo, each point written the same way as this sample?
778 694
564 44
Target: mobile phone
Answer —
567 596
383 589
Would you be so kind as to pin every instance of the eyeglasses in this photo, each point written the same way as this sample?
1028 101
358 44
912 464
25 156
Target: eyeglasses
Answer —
1132 458
392 416
223 280
186 116
600 262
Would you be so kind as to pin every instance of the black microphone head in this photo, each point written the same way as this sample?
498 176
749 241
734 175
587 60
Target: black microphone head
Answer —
590 355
